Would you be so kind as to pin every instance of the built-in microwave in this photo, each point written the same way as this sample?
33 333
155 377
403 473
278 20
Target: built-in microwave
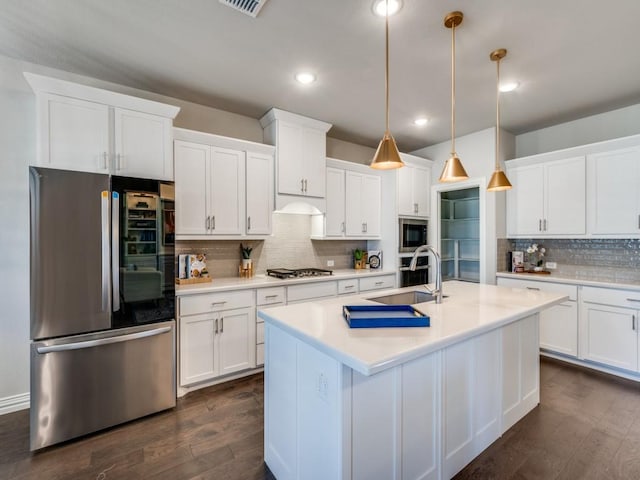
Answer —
413 233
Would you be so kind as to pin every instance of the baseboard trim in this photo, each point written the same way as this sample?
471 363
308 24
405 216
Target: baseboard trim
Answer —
14 403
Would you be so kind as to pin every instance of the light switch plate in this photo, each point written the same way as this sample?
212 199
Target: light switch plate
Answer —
551 265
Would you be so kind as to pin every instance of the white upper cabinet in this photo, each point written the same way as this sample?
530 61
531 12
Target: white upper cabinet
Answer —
93 130
259 193
362 201
223 187
334 221
353 203
414 189
547 199
300 153
142 145
614 192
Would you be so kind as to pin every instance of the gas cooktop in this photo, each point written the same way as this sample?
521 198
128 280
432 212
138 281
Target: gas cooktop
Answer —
298 272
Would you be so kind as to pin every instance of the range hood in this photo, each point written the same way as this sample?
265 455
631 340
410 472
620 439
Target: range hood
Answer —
300 205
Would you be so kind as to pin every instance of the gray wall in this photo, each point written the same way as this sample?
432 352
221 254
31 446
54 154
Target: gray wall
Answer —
605 126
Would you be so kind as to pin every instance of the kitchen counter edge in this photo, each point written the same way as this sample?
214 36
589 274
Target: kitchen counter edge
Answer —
569 280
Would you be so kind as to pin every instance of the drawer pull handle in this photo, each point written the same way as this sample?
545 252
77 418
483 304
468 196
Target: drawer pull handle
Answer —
379 283
216 326
271 296
633 300
533 288
633 322
350 286
218 303
221 324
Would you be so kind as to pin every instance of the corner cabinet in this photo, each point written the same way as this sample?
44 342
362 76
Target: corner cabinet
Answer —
547 198
222 192
93 130
353 203
301 148
414 188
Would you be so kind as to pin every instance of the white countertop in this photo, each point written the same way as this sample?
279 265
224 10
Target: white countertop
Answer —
470 309
624 278
259 281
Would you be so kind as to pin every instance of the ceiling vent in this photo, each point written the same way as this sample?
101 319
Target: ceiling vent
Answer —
249 7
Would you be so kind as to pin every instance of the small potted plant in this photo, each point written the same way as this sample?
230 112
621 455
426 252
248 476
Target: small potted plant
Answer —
246 256
359 259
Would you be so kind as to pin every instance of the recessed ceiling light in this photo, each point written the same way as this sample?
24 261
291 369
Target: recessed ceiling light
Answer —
305 78
421 122
380 7
509 86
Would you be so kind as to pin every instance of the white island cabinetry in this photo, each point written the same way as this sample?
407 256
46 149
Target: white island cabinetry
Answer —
412 403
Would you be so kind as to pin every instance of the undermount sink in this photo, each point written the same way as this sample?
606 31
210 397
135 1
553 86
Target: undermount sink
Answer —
405 298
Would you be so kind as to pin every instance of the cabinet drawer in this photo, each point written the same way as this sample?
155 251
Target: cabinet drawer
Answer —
214 302
608 296
561 288
377 283
348 286
309 291
270 296
259 333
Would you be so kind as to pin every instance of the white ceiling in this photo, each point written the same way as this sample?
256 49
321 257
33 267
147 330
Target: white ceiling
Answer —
572 57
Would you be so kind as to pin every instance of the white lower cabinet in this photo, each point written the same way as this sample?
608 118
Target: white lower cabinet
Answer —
558 324
377 282
610 327
217 335
266 297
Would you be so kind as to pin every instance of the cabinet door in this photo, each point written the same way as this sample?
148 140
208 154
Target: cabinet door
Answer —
565 201
354 218
525 200
421 190
406 204
613 192
289 146
559 328
259 189
143 145
197 336
227 180
236 340
370 205
335 226
314 144
611 337
73 134
192 187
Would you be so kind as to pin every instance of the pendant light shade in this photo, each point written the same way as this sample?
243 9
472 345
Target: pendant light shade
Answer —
453 170
387 155
499 180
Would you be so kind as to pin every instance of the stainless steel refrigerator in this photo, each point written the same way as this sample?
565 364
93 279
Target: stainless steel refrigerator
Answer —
102 313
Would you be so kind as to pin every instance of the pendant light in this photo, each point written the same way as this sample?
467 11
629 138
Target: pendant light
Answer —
499 180
453 170
387 155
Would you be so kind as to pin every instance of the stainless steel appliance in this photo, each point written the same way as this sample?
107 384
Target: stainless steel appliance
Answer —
298 272
413 233
102 318
420 276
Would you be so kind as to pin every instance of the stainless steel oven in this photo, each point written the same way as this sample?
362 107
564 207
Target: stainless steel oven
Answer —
413 233
420 276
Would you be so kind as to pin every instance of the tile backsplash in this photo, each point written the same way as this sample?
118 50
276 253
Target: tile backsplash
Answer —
608 253
290 246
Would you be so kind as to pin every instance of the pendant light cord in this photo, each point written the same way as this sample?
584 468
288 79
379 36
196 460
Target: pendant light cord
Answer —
386 68
498 115
453 90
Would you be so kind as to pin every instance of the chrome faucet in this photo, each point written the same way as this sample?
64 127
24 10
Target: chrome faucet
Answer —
437 290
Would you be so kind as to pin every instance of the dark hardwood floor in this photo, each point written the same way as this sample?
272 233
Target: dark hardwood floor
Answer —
587 426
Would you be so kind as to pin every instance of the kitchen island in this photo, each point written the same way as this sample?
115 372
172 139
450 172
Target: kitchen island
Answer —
398 403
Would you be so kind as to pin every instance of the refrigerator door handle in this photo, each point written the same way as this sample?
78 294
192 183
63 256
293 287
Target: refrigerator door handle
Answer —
104 223
102 341
115 249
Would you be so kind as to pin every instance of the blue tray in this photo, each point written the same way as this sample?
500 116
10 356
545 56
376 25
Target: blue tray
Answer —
374 316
